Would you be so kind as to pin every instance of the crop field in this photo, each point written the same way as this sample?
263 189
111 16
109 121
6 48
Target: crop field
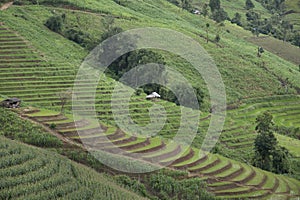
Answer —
283 50
32 173
227 178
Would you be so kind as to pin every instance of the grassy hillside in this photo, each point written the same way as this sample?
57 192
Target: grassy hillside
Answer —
32 173
36 64
235 66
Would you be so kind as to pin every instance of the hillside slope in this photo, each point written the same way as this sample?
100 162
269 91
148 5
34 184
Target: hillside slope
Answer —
31 173
239 68
36 64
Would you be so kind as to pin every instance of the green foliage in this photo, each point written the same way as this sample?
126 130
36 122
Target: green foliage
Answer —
219 15
183 4
52 126
138 91
237 19
186 4
25 2
214 5
131 61
132 185
78 36
205 10
15 128
55 23
264 122
281 160
296 39
293 132
166 187
217 38
249 4
268 155
273 5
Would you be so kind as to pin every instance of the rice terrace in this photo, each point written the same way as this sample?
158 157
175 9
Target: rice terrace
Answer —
150 125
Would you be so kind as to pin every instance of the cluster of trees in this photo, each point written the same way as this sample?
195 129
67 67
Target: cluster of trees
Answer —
218 13
275 26
268 154
57 23
130 62
273 5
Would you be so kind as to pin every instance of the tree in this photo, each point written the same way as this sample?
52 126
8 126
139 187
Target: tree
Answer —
285 84
265 142
217 38
268 154
281 160
219 15
296 40
286 27
237 19
64 96
185 4
214 5
207 29
260 51
205 10
55 23
249 5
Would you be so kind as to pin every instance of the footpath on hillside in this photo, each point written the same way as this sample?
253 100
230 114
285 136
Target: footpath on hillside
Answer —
6 5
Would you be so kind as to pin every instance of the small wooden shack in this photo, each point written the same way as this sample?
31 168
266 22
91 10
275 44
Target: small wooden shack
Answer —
11 103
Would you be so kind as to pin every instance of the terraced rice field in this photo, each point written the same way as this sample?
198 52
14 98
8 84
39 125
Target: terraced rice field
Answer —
238 135
227 178
27 75
37 82
31 173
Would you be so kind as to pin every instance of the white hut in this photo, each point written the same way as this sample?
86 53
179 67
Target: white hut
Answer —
153 95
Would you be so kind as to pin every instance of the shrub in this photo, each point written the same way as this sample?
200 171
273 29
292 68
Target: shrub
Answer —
55 23
81 38
52 126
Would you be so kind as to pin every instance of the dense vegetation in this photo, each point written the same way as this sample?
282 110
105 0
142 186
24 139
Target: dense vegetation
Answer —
268 154
255 19
15 128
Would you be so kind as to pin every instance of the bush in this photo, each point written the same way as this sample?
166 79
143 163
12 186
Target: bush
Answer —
220 15
139 91
52 126
55 23
81 38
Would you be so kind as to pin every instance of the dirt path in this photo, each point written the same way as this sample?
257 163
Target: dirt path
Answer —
53 132
6 5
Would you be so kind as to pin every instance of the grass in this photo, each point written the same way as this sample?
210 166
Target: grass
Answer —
290 143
